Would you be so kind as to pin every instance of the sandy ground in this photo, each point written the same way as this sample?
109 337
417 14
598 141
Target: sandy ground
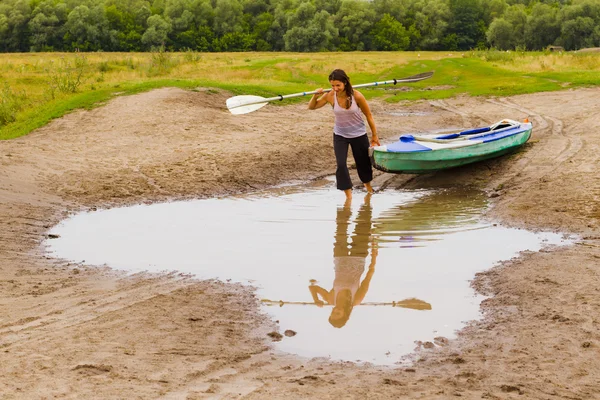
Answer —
78 332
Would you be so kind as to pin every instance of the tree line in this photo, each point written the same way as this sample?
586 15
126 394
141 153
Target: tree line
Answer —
296 25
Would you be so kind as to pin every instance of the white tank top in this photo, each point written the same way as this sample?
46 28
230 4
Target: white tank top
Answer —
348 123
348 271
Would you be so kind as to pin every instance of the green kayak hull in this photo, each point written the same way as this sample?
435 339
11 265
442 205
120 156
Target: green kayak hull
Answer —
430 161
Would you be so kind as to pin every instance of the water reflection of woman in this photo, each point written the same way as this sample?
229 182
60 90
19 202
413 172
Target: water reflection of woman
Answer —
349 261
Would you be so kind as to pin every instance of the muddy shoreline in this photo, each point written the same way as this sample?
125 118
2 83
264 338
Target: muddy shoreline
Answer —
74 331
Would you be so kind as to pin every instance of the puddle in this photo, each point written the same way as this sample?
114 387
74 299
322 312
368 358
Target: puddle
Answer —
296 241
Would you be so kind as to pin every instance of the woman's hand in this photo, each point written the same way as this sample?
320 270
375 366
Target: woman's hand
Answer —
317 100
375 141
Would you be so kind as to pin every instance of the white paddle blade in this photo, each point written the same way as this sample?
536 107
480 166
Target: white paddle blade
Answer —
245 104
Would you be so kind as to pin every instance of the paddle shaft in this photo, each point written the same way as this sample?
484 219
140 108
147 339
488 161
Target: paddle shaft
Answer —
513 125
414 78
289 96
307 303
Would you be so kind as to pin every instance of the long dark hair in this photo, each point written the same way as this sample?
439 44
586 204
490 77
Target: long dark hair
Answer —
340 75
344 301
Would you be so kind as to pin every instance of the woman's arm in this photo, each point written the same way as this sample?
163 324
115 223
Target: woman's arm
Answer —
318 100
364 107
364 286
318 290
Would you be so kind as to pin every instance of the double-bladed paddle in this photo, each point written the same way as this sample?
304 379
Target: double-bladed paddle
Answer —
415 304
247 103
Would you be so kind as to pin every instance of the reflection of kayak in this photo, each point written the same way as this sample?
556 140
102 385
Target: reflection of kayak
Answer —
429 216
416 154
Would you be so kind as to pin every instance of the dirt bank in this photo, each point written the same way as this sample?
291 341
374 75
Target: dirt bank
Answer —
73 331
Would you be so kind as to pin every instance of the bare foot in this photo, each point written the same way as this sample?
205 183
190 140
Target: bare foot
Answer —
369 187
348 193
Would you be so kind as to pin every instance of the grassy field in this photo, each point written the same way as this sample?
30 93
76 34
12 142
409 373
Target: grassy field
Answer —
37 87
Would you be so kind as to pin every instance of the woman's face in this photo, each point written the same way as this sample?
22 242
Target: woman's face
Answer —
337 86
337 313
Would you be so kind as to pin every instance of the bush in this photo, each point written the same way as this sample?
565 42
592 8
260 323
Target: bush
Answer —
161 62
68 76
10 104
104 66
494 55
127 62
190 55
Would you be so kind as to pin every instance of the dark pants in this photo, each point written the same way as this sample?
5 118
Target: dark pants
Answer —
360 151
359 241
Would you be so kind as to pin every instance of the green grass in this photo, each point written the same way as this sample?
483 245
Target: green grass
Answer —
39 116
481 73
475 77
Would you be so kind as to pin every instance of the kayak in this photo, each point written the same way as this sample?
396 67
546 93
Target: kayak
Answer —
418 154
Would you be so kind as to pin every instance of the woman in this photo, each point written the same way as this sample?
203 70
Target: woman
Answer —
349 261
349 129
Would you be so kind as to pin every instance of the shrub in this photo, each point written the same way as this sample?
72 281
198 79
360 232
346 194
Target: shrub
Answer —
190 55
68 76
161 62
10 104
